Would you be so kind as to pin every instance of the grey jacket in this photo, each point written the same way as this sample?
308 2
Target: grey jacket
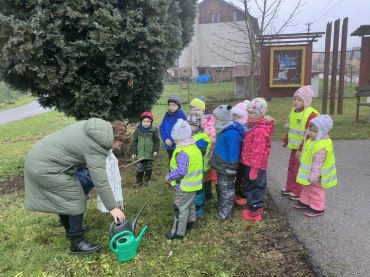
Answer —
50 168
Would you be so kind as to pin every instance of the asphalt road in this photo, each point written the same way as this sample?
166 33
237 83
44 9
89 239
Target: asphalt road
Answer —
21 112
339 240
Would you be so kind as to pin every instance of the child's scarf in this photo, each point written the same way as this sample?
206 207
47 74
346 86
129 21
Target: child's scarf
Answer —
222 125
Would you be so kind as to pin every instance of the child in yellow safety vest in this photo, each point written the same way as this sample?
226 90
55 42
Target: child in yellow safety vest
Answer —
298 120
317 170
203 142
186 176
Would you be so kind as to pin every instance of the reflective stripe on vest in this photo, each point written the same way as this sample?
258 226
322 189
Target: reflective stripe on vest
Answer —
192 181
297 126
207 155
328 169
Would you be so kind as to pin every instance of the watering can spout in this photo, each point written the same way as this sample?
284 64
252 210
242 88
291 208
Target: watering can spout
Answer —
136 218
140 236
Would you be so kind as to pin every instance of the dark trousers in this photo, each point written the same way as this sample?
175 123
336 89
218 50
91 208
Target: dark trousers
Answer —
170 153
225 192
146 166
207 186
72 224
239 182
255 189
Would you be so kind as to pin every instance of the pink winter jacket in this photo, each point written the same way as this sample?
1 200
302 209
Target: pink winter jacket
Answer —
317 162
257 145
209 126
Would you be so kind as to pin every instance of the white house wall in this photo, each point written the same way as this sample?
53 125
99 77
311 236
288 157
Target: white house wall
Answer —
215 44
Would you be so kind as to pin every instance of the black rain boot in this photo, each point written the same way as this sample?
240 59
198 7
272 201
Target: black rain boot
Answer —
84 230
64 220
78 244
147 177
139 179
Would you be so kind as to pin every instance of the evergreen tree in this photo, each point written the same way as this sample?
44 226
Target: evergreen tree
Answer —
91 58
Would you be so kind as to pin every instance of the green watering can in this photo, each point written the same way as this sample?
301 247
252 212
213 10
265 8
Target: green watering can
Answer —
124 244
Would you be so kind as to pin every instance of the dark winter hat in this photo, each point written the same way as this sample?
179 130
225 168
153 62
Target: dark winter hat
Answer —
174 98
146 115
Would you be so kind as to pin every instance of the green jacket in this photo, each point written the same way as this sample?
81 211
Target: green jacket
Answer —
50 168
145 143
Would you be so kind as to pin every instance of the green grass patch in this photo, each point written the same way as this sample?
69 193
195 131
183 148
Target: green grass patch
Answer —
17 138
34 244
11 98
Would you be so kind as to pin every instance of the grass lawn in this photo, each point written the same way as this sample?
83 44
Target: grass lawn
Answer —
33 244
11 99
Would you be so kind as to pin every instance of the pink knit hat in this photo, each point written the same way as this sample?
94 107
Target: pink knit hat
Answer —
306 93
240 110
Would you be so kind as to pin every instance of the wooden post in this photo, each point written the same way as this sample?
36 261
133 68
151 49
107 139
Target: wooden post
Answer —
342 70
324 108
334 65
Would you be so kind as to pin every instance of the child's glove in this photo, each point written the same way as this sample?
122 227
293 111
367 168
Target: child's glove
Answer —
178 187
230 172
253 174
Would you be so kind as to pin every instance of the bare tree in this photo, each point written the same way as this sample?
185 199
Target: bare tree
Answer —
265 22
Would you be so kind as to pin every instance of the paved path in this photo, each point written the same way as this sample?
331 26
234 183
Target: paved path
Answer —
338 241
22 112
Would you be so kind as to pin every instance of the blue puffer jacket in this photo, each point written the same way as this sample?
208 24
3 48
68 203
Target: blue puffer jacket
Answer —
169 120
226 154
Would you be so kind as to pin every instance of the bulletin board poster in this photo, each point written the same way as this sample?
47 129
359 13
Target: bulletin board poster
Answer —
287 65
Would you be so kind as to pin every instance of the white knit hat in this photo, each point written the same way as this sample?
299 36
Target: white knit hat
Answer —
181 130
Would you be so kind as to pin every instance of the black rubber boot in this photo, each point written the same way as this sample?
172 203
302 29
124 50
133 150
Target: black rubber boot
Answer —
84 230
80 246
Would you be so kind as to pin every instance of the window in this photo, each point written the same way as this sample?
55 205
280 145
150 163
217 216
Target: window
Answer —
202 71
212 17
235 16
218 17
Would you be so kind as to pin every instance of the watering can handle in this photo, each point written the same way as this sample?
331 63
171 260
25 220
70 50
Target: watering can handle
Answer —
126 232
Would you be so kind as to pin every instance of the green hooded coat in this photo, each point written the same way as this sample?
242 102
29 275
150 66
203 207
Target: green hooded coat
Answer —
50 169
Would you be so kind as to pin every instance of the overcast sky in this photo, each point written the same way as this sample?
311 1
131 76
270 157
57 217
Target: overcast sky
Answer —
320 12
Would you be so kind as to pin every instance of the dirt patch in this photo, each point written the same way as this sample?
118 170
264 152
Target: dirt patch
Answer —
12 184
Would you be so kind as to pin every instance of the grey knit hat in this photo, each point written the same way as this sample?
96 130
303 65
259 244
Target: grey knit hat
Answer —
223 112
174 98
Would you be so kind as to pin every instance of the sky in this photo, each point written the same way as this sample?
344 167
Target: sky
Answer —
320 12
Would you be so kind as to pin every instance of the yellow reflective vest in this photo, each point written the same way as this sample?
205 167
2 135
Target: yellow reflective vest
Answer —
192 181
328 169
297 126
207 155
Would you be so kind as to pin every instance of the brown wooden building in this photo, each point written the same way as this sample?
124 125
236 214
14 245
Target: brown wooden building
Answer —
286 63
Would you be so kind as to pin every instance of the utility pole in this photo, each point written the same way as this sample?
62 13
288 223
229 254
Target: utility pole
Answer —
308 29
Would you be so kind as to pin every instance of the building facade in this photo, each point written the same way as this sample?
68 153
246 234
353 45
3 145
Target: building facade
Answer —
219 45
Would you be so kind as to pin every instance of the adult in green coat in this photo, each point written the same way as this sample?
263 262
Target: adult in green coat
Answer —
51 185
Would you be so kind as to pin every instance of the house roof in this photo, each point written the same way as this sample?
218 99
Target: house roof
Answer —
363 30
